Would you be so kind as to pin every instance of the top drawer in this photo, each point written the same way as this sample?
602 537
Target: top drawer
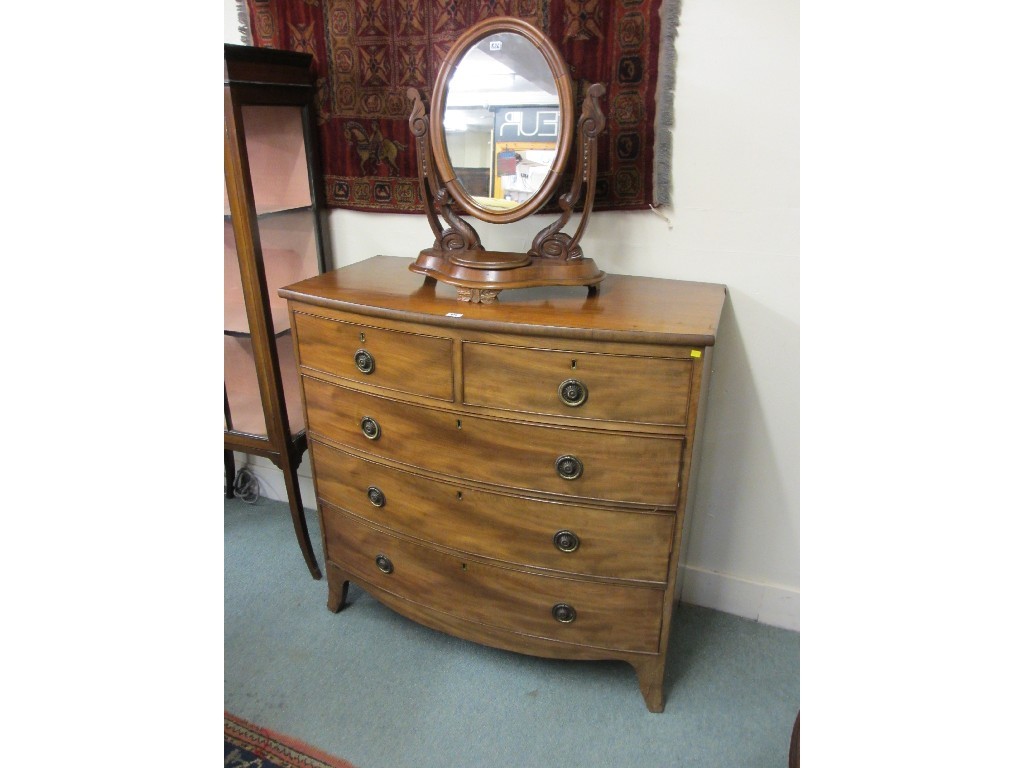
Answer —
635 389
397 360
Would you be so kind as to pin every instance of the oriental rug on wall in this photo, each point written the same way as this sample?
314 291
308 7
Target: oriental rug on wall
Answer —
367 53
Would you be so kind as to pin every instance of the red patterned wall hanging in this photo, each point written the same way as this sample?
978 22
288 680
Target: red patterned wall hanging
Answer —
367 53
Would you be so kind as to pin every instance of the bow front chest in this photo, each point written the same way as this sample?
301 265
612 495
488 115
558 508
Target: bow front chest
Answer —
514 473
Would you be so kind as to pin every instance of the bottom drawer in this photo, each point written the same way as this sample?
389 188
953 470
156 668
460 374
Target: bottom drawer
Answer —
567 610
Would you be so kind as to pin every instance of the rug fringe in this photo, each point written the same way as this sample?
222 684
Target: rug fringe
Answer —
244 30
664 98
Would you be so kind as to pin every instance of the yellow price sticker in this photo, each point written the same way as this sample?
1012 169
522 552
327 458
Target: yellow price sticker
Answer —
694 353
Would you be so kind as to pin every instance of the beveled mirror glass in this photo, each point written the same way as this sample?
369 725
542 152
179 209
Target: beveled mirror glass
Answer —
502 141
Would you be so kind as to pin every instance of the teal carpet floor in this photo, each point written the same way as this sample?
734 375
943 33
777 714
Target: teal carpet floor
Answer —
380 691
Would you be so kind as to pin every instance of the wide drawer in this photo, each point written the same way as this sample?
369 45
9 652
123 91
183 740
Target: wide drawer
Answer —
405 362
603 615
613 466
565 537
636 389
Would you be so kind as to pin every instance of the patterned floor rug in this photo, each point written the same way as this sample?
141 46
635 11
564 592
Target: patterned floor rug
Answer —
250 746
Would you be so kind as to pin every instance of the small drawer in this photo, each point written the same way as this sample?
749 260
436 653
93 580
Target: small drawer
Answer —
635 389
405 362
563 537
568 610
581 463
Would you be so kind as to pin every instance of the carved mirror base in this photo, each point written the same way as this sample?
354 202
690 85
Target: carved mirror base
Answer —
479 276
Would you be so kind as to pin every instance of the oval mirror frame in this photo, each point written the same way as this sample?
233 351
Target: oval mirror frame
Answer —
563 86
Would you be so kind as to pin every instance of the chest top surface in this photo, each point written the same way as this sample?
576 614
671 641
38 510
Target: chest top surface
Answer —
627 308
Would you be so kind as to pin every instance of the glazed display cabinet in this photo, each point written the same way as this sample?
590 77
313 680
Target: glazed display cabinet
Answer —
273 236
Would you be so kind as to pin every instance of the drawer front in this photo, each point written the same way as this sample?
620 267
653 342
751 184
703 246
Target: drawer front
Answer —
604 615
404 362
565 537
614 466
645 390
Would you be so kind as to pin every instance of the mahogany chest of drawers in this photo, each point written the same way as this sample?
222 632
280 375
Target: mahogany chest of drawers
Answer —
514 473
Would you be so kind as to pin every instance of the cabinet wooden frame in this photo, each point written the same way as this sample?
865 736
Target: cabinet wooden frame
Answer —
260 78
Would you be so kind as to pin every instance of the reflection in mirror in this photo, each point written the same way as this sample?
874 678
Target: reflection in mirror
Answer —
501 121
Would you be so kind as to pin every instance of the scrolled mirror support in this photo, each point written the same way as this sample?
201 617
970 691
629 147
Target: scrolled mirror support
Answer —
458 235
419 124
551 242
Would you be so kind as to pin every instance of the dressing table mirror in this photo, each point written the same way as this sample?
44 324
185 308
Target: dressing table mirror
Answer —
495 146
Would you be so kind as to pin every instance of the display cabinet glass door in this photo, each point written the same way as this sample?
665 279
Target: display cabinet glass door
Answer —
286 224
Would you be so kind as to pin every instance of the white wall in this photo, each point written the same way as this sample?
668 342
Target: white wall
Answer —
734 220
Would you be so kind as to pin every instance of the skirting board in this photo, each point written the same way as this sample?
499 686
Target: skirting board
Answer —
766 603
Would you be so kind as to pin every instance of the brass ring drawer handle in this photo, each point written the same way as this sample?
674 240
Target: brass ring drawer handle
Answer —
566 541
364 362
370 427
572 392
564 613
568 467
376 496
384 563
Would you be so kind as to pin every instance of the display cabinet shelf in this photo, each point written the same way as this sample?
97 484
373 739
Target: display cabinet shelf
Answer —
282 266
246 408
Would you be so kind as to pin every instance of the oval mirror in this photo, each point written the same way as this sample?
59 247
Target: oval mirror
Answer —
501 126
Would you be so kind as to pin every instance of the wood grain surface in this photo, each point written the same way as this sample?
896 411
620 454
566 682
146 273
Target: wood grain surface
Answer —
627 308
612 543
607 615
616 466
416 363
619 387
